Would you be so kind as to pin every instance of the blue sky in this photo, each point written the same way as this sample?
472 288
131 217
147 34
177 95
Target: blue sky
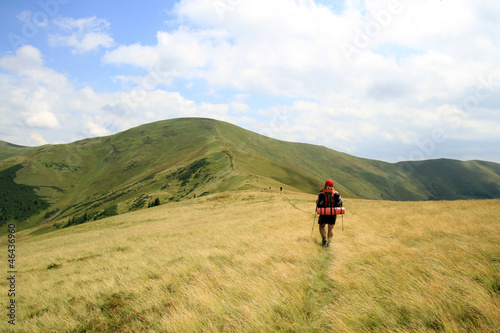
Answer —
389 80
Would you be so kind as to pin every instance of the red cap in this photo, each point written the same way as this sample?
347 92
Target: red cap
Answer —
329 183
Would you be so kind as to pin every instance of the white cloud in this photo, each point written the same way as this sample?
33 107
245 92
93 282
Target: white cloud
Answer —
25 56
82 35
94 129
137 54
238 107
41 119
31 91
292 48
38 139
27 65
252 49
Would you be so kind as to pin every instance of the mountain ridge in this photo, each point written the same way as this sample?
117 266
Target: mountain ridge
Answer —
183 158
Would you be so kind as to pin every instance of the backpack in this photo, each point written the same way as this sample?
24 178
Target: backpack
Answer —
329 199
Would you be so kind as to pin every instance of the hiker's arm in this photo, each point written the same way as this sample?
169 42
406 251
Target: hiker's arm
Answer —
319 200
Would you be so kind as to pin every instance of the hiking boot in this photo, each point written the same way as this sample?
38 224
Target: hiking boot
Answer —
324 242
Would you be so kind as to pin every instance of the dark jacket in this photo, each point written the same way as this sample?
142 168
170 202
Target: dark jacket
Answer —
329 200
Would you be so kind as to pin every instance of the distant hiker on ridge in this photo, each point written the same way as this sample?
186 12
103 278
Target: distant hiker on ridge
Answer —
328 197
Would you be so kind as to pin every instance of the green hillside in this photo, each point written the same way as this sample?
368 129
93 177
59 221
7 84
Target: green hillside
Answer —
185 158
10 150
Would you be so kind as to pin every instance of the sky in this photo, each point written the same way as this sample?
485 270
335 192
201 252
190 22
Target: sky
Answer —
387 80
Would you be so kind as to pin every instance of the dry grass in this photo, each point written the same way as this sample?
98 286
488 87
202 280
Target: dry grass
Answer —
245 262
420 266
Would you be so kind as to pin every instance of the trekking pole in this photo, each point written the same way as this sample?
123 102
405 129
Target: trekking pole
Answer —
342 222
314 222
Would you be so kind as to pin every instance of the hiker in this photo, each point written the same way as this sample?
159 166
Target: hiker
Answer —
328 197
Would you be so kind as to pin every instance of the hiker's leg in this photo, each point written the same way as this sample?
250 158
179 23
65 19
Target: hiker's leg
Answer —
322 230
323 234
330 232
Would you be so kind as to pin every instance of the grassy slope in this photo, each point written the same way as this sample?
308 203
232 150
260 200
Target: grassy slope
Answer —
244 261
304 166
92 174
8 150
454 180
153 160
